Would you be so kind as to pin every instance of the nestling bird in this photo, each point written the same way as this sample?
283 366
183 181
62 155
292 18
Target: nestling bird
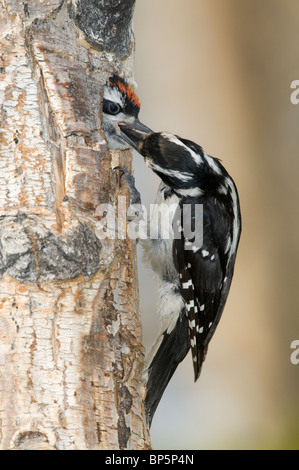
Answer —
120 103
195 277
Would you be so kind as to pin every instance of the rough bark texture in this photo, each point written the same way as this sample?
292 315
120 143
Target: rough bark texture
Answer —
70 341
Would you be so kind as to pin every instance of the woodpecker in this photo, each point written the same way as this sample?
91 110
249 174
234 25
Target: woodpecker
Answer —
120 103
195 273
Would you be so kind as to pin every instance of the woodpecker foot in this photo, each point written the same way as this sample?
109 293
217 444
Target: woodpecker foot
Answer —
130 180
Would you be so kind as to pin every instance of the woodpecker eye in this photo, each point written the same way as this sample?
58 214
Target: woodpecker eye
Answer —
109 107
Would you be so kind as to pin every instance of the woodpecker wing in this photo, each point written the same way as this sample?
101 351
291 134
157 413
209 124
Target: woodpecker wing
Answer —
205 270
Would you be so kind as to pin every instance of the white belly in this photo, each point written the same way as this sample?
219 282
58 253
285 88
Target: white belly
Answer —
158 246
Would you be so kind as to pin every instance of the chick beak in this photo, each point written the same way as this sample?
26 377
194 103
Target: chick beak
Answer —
134 134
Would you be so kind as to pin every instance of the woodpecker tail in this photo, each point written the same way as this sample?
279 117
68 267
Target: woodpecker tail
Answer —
169 350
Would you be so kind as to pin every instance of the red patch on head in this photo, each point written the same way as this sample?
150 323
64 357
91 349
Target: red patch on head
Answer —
126 90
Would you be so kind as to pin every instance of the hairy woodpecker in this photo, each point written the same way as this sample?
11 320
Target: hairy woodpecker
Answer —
195 275
120 103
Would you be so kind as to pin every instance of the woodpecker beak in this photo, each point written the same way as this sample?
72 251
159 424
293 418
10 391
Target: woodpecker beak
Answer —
134 134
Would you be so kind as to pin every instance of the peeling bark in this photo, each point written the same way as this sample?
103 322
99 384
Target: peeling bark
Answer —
70 339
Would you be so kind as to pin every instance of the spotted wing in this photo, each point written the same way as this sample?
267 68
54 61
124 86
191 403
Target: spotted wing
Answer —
205 269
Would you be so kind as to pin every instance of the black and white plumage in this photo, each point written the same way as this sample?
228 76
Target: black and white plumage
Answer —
195 277
120 103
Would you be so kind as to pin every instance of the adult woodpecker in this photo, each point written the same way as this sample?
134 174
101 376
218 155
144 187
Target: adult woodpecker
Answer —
195 277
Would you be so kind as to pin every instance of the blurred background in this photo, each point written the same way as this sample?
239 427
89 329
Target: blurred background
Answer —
220 73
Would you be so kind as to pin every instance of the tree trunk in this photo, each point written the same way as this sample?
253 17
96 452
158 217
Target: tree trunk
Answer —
70 335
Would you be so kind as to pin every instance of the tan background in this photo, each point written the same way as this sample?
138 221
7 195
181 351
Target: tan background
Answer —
219 72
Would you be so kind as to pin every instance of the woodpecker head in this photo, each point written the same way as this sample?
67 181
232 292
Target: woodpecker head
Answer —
120 106
180 163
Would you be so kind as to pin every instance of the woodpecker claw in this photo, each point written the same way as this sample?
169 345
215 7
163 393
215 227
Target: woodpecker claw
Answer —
130 180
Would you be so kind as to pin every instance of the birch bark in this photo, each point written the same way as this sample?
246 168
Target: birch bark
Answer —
70 334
